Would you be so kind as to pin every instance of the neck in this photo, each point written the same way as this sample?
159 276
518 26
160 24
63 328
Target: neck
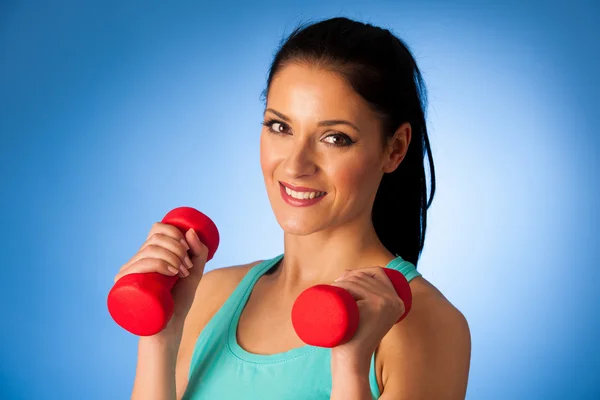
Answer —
323 256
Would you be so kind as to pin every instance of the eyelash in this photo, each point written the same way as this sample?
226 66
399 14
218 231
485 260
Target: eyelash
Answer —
269 124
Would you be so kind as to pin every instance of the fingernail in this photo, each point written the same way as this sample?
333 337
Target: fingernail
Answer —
184 270
188 262
187 246
172 269
195 234
343 275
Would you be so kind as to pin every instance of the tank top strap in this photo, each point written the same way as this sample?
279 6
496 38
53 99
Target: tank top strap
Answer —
407 268
254 273
245 284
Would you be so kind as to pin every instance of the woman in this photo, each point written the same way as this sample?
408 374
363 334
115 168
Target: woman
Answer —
342 153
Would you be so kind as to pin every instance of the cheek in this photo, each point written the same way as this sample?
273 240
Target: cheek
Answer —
356 177
264 155
268 156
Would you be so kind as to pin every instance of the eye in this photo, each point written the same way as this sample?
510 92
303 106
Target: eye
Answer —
339 140
275 126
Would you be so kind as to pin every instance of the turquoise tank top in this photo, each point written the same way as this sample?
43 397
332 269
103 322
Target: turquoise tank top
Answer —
221 369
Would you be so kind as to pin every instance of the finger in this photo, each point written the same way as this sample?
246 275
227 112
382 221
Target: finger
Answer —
381 285
367 275
378 273
165 229
197 248
145 265
180 248
366 281
357 290
159 252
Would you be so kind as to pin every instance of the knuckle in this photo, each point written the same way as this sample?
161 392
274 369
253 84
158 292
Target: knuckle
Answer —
380 303
153 238
153 247
402 307
396 304
182 250
161 266
174 232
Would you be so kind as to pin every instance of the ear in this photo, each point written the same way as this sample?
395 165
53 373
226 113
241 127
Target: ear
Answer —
396 147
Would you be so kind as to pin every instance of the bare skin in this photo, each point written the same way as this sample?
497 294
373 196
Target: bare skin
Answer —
323 240
425 356
265 326
268 307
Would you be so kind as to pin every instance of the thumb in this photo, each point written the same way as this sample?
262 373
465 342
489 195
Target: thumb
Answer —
198 249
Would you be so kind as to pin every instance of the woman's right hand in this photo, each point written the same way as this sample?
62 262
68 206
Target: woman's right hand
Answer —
170 252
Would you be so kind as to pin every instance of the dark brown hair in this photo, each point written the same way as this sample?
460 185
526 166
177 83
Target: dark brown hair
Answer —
381 69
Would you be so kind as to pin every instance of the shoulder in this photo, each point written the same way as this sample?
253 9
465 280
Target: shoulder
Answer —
216 286
429 350
226 276
214 289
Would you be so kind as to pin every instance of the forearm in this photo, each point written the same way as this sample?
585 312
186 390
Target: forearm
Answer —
155 371
350 378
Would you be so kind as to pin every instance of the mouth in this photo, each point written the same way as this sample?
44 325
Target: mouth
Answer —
298 196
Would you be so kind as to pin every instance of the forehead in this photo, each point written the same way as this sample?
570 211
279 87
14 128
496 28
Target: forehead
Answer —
302 90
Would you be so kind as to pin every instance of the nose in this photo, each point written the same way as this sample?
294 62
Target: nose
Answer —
300 160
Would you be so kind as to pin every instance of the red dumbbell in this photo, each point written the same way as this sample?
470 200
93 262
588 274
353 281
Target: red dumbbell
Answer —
141 303
327 316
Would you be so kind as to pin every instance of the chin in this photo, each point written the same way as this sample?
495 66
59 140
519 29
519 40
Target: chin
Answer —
296 225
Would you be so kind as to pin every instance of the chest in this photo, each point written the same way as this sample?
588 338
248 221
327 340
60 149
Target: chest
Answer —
265 326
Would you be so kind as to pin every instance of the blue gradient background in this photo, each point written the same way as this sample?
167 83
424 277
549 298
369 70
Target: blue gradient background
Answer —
112 113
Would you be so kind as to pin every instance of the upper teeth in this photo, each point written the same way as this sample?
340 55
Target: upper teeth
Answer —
303 195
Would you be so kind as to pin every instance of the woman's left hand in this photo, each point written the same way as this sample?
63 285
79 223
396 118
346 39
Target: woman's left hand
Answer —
379 306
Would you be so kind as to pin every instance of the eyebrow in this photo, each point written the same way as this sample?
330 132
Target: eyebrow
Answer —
329 122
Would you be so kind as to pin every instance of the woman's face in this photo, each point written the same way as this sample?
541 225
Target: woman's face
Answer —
335 167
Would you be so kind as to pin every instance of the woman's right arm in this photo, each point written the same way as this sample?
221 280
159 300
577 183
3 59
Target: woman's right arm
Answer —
156 368
164 360
167 251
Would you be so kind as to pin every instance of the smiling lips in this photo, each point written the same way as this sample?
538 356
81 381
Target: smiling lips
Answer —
298 196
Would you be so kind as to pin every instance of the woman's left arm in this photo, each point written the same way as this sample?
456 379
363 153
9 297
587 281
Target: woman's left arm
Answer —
425 356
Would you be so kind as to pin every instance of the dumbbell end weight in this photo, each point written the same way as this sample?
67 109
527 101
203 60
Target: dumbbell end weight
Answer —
141 303
327 316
